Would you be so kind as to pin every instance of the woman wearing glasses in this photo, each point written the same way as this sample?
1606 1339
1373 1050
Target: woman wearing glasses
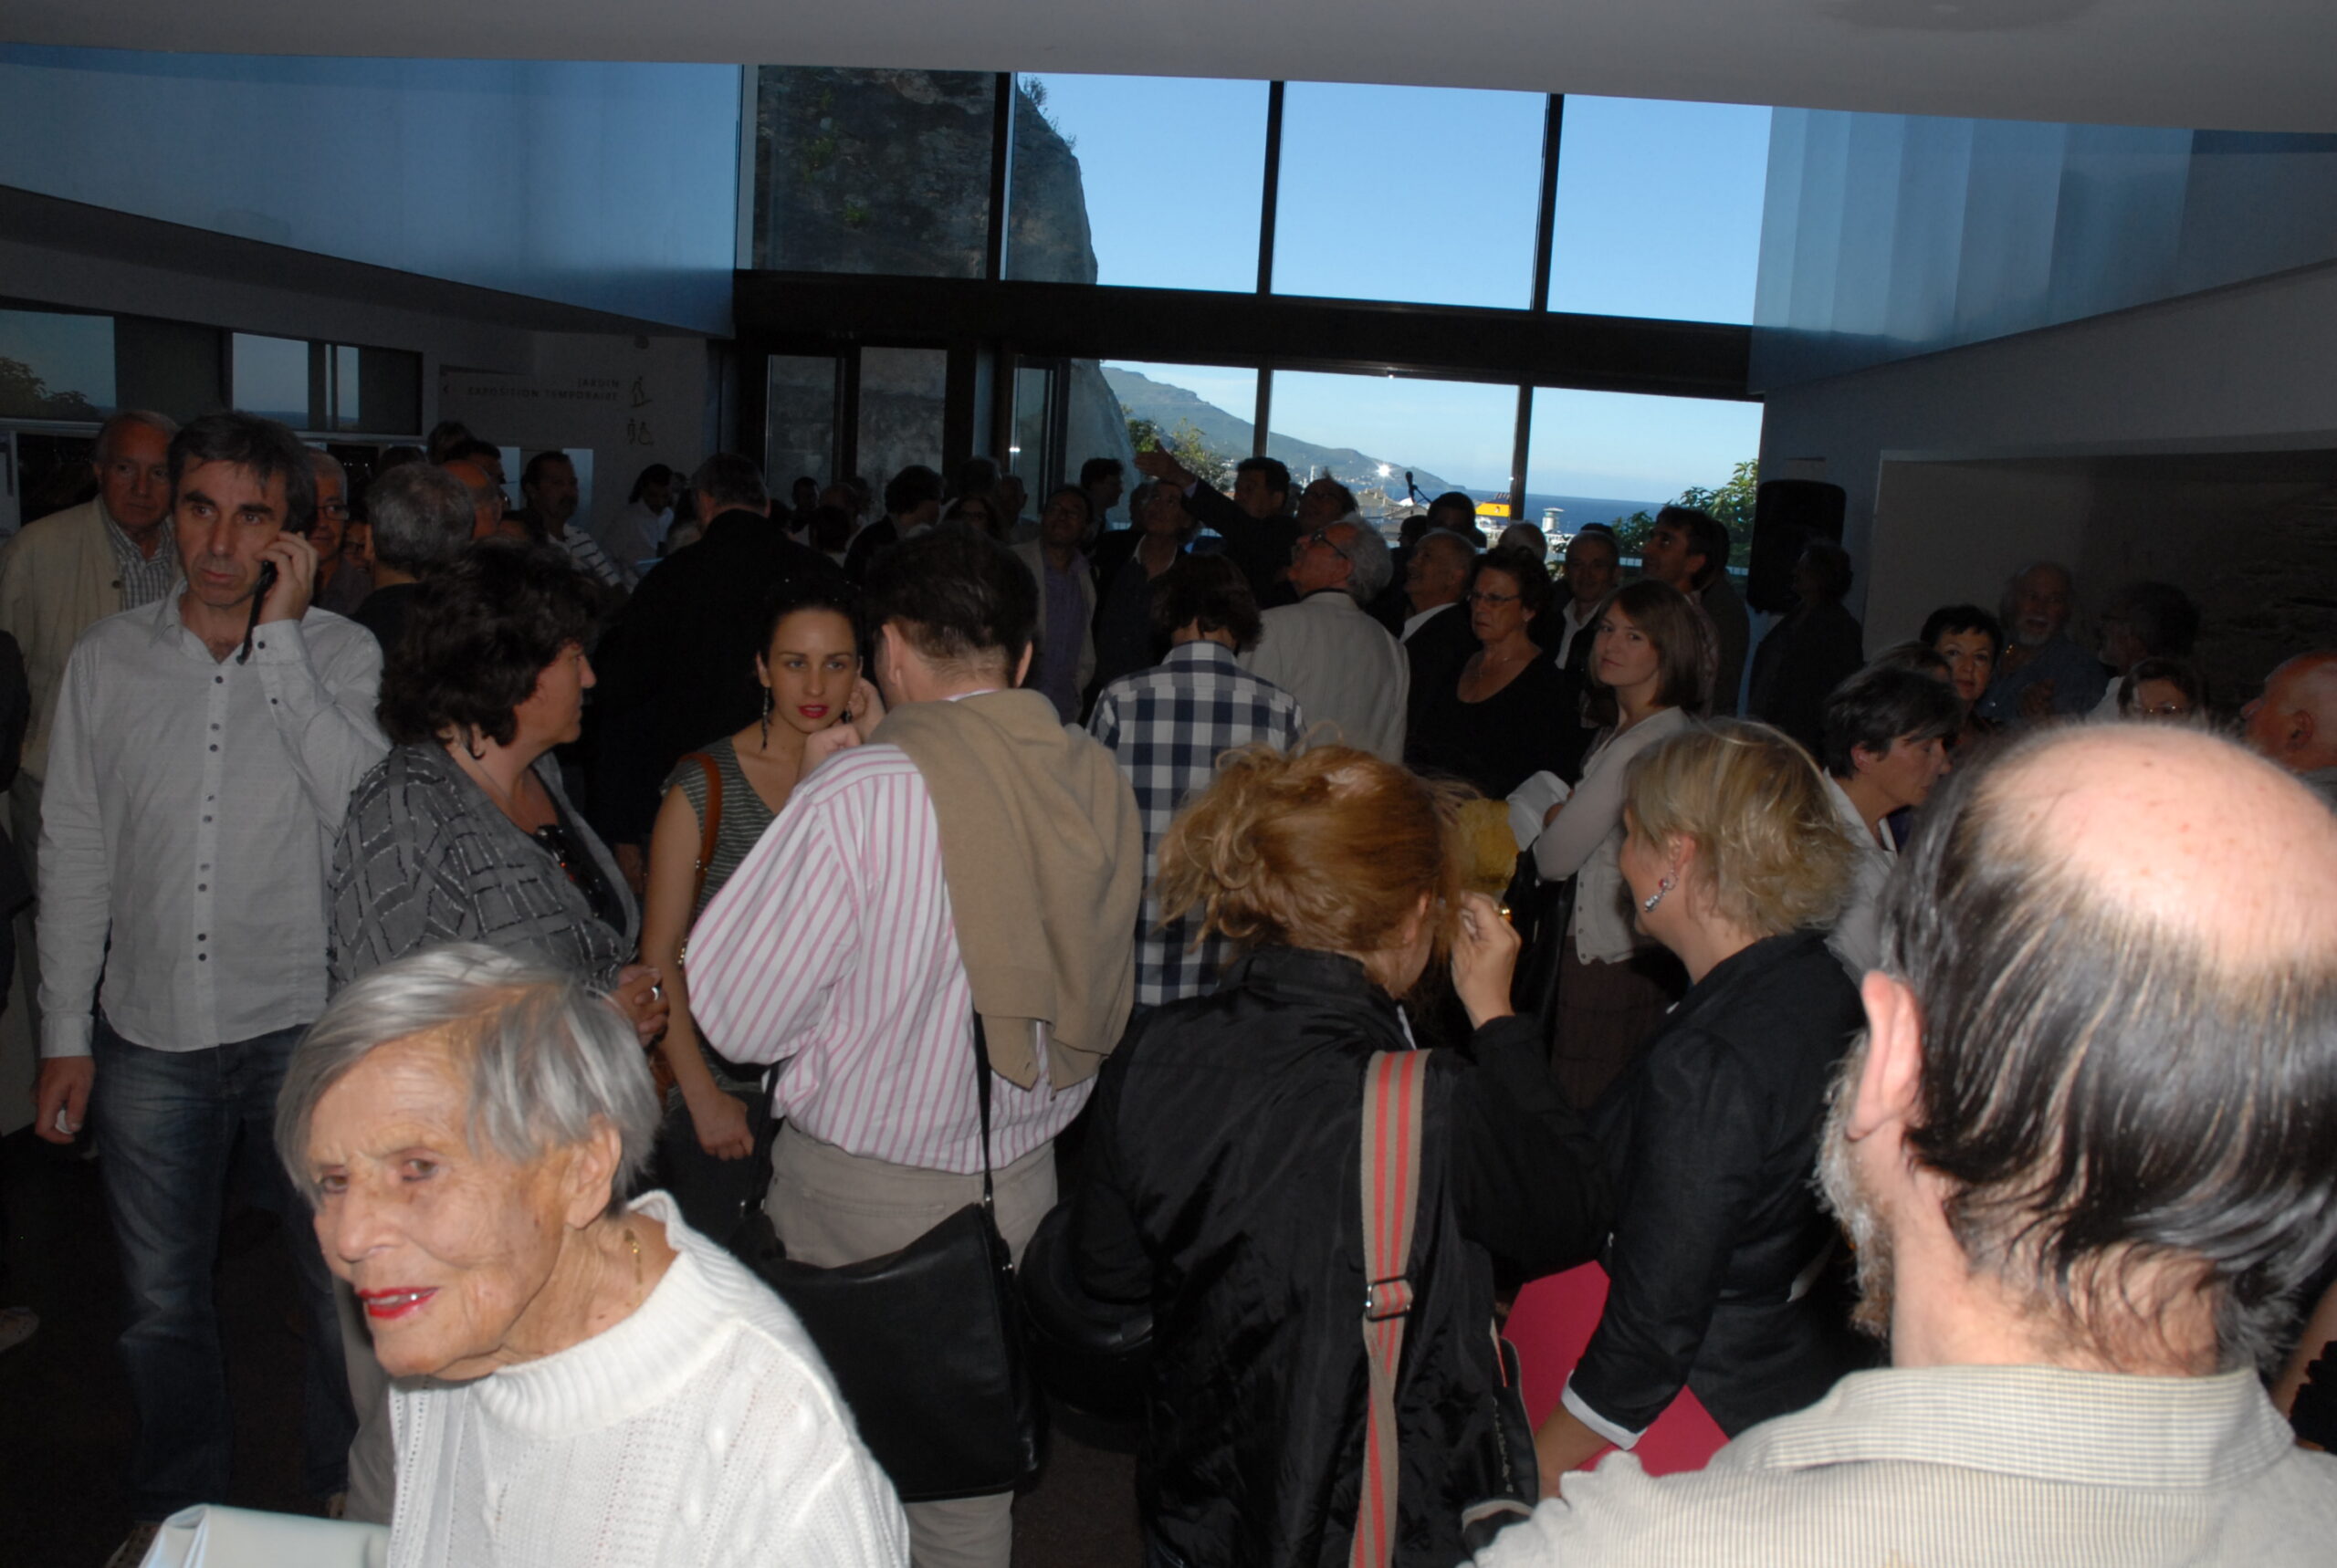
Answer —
463 833
1503 720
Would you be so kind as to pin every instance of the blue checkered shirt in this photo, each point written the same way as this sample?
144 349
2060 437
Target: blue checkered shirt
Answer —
1166 726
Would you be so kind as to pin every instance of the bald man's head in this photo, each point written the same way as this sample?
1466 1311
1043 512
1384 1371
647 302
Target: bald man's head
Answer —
2121 948
2294 723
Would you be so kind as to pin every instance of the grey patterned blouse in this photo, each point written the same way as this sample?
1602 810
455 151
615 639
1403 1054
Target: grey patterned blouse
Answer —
744 815
424 857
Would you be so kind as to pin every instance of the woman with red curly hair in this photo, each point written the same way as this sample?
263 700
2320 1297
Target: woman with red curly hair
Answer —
1220 1178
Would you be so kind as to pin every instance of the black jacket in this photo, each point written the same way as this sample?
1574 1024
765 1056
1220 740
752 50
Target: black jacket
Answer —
1798 665
1220 1181
1436 654
1260 547
1711 1138
677 670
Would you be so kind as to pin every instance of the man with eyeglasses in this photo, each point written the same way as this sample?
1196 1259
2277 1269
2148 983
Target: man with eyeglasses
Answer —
1341 664
63 573
341 585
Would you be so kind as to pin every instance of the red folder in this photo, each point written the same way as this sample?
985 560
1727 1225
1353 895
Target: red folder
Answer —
1551 1326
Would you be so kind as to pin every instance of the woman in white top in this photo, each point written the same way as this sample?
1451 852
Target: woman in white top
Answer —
579 1380
1887 735
1650 659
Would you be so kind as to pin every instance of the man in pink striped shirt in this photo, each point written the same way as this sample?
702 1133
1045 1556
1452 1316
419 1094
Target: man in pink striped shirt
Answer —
972 854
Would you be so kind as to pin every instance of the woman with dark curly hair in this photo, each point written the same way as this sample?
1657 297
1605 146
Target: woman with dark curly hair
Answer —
463 833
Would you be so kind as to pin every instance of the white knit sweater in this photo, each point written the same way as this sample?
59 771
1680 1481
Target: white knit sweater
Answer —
702 1431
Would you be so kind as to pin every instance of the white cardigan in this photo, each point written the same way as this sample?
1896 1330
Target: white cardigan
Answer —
702 1430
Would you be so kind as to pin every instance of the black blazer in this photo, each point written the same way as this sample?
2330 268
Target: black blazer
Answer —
1436 652
1710 1139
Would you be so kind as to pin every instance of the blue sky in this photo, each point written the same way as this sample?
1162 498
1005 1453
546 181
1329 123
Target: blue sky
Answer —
1429 193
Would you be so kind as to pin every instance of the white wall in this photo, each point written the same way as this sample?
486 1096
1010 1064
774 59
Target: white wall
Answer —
2239 369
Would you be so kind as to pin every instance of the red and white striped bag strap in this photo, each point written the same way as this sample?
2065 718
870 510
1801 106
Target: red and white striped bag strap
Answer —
1391 1168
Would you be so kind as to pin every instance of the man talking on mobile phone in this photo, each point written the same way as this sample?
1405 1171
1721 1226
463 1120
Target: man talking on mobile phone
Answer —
203 755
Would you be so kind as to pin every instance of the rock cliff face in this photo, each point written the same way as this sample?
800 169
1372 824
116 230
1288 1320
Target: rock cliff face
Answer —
887 172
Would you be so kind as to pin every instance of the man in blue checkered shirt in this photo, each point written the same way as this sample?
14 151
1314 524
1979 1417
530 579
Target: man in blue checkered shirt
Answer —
1168 725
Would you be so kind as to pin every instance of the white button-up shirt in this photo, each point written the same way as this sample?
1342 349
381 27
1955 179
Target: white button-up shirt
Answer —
1858 930
189 817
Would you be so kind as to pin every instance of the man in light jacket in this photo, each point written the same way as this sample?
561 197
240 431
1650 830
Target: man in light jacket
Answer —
1341 664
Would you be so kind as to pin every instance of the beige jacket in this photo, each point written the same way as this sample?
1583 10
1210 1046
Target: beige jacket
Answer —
58 578
1043 857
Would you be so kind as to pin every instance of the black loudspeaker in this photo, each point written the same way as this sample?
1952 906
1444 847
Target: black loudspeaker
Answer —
1787 515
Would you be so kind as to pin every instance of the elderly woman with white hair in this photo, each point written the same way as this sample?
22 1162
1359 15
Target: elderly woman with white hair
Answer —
580 1379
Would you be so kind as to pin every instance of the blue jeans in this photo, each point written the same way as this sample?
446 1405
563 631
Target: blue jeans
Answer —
168 1126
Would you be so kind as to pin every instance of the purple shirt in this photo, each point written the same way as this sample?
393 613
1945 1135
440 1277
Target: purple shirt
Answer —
1060 638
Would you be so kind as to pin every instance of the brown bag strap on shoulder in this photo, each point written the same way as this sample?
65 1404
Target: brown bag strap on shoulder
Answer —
1389 1166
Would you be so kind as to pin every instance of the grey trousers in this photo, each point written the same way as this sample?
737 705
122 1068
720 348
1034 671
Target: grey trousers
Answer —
830 1208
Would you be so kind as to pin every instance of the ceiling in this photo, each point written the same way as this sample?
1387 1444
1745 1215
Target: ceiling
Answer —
2247 65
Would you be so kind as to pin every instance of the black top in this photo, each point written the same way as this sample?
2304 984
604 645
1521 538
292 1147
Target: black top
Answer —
1497 744
1711 1140
678 668
1221 1182
386 612
1259 545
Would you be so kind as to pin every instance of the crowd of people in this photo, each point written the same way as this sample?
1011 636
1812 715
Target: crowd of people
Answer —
551 927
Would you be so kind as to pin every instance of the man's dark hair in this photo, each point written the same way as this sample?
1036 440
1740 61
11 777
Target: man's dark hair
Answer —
1096 470
2163 619
1950 618
829 527
470 449
1831 572
910 488
1880 706
959 597
1533 579
2100 1092
446 440
1458 501
482 630
421 515
1276 471
1209 591
730 481
977 476
261 446
1706 537
534 471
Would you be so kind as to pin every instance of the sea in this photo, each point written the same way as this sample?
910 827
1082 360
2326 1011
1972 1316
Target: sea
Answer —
1574 511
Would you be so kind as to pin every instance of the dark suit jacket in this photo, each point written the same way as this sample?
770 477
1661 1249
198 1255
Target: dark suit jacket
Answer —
1261 548
1800 662
867 545
1436 652
677 670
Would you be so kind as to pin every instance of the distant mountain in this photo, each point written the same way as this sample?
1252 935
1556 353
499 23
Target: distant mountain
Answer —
1169 406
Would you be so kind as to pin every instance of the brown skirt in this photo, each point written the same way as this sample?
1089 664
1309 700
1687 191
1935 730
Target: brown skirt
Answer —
1606 1011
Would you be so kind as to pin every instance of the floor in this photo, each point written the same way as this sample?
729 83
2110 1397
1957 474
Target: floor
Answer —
67 1431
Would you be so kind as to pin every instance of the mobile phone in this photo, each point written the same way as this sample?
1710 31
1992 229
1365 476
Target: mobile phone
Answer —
259 598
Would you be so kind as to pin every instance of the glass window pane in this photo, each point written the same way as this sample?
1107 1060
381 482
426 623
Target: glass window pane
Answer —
1658 209
1035 395
1615 457
873 171
901 394
1204 414
1398 443
270 377
347 396
800 418
56 366
1408 193
1093 158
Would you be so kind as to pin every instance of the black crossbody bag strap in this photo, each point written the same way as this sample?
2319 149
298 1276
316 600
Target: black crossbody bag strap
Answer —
981 1101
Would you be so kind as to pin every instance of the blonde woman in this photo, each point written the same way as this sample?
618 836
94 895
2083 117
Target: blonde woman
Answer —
1737 862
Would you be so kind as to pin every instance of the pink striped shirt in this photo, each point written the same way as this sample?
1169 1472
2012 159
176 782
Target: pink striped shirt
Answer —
831 950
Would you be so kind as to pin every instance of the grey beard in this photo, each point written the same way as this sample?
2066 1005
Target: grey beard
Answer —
1837 1183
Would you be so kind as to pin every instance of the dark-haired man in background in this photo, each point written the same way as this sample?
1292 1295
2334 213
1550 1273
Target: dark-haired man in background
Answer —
202 760
677 669
1688 549
2077 1210
912 505
976 855
1254 521
548 482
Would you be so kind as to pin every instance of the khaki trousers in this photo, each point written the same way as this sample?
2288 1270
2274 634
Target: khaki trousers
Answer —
830 1208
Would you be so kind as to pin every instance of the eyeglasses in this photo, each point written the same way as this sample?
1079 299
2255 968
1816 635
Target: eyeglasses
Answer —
2166 710
1480 597
1322 536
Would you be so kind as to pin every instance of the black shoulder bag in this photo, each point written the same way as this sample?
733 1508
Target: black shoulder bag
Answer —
925 1343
